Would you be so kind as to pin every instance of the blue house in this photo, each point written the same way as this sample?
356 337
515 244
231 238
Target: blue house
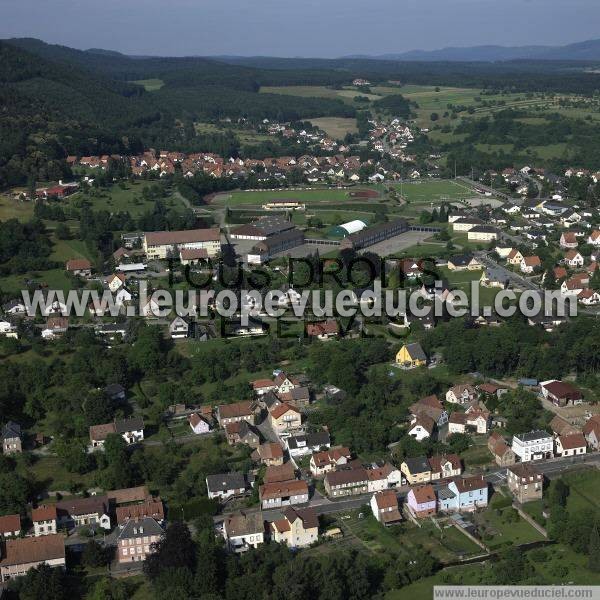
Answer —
462 495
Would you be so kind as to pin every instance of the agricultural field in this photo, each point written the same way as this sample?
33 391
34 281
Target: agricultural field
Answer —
346 94
150 85
335 127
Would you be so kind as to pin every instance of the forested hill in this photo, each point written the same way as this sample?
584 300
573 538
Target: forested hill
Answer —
58 101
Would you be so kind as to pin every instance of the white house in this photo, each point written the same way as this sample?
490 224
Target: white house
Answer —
533 445
198 424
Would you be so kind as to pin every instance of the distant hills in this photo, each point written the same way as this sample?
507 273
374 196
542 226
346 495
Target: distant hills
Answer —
588 50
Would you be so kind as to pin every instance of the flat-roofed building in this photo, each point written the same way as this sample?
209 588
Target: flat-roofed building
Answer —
163 244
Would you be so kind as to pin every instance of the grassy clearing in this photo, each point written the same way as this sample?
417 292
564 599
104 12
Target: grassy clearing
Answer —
15 209
66 249
585 490
55 279
150 85
434 190
334 127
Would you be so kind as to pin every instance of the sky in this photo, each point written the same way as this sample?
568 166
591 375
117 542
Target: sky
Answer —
310 28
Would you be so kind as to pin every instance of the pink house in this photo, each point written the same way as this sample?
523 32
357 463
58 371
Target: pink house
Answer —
421 501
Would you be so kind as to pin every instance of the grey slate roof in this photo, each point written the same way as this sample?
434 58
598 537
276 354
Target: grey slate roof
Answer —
134 424
417 465
224 482
142 527
533 435
11 430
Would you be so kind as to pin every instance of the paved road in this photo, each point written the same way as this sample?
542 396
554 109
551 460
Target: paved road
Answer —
517 281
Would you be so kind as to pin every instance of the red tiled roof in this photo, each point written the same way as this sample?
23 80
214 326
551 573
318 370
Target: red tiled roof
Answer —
10 523
424 494
281 409
44 513
572 441
33 550
279 489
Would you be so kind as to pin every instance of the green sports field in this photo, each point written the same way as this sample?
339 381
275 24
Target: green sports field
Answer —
431 191
262 197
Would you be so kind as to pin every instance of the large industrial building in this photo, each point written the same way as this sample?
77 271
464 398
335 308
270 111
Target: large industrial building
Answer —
373 235
265 249
261 229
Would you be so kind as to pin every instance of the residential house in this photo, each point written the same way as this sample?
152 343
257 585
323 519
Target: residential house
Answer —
297 529
534 445
483 233
329 460
137 538
463 393
263 386
591 431
285 418
383 477
514 257
525 483
10 526
572 444
493 278
21 555
198 424
323 330
502 452
568 240
150 507
244 530
573 259
226 485
416 470
239 411
445 466
560 426
431 407
411 356
179 328
12 438
478 418
115 281
78 512
347 482
285 383
560 393
299 397
385 507
589 297
283 493
269 453
530 263
279 473
307 443
464 262
55 327
45 520
80 267
421 427
457 423
241 432
421 501
491 389
594 238
131 430
464 494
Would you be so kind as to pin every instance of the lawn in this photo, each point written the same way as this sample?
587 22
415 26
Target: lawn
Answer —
15 209
585 490
335 127
49 471
501 527
66 249
54 279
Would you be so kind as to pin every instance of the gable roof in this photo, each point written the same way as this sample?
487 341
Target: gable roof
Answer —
276 473
278 489
238 409
418 464
33 550
572 441
10 523
423 494
283 408
242 523
224 482
135 528
44 513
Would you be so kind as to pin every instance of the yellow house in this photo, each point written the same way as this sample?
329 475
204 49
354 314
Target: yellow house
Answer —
411 355
416 470
297 528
